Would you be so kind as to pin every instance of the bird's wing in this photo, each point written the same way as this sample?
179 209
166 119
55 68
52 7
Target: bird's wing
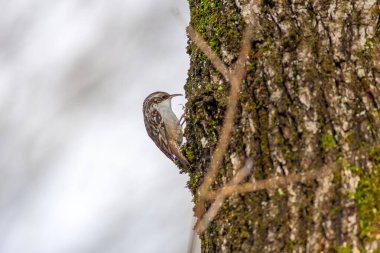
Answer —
156 130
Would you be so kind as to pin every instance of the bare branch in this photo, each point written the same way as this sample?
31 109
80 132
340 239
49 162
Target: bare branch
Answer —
206 49
237 76
220 198
274 182
239 68
192 243
203 223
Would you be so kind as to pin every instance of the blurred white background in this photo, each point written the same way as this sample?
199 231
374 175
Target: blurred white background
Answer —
78 172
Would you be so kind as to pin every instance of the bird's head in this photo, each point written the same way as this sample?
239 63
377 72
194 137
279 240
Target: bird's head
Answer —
159 97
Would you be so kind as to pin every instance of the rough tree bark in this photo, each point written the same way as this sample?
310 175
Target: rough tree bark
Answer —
311 97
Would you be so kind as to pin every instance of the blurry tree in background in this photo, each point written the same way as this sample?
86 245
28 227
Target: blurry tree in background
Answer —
310 97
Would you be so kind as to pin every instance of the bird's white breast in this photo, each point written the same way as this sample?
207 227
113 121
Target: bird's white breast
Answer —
165 109
171 121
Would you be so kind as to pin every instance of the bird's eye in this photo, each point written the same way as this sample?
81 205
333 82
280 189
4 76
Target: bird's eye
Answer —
165 96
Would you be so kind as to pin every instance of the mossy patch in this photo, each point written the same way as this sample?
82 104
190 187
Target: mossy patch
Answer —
327 142
367 197
218 22
344 249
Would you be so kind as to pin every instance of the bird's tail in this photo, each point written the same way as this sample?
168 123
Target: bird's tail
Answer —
177 153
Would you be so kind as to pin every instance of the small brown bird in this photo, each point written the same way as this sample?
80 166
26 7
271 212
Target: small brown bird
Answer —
163 126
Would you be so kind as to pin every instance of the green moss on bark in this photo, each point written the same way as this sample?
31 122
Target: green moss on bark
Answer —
367 197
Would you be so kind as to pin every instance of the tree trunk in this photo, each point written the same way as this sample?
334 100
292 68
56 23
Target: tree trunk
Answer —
311 97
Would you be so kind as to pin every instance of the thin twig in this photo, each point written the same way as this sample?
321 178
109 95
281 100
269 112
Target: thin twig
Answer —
274 182
192 243
236 78
203 223
239 69
210 54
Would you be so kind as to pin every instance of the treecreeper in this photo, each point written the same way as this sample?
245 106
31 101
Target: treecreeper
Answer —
163 126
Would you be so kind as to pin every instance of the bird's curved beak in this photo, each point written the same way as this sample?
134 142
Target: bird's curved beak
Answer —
175 95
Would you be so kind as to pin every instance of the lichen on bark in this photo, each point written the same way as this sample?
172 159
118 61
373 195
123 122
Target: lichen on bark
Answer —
310 97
